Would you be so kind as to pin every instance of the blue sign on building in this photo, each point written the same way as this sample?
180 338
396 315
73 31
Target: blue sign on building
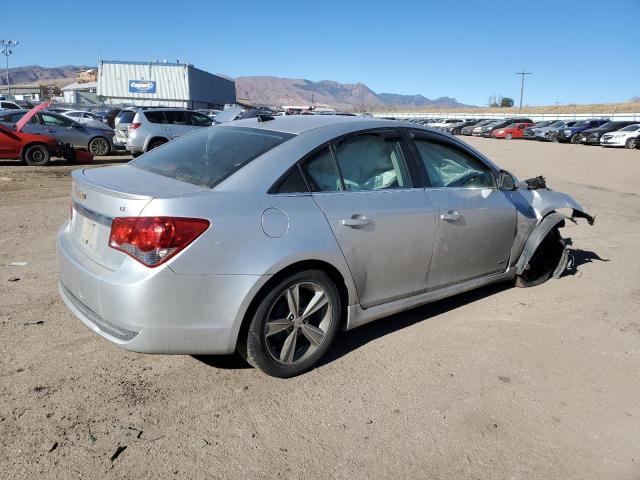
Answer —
142 86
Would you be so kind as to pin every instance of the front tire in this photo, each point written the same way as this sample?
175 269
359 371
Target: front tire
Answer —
508 136
549 260
99 146
294 325
575 139
631 143
36 156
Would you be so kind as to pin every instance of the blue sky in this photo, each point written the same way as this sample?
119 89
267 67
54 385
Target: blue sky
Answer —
579 51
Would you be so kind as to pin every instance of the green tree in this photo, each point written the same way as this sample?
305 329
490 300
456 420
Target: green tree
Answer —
506 102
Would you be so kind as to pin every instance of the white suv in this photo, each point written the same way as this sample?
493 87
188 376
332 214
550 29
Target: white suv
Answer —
153 127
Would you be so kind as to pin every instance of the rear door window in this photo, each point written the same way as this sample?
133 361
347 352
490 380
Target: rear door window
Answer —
371 161
209 155
176 117
155 117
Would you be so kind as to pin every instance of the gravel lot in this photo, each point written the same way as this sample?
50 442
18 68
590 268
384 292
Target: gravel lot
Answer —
500 383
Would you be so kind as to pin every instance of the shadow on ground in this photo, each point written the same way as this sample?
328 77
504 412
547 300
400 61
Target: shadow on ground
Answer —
351 340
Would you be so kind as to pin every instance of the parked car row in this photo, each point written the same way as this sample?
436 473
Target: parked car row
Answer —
35 148
97 139
596 131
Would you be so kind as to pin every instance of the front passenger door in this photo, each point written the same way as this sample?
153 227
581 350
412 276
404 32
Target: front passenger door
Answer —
476 221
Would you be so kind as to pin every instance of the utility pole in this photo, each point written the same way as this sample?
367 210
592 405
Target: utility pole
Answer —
6 51
522 73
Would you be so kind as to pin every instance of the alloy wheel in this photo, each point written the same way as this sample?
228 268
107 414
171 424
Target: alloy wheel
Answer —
99 146
298 322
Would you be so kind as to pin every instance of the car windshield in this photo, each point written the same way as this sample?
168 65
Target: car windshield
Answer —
630 128
608 125
557 124
208 156
582 123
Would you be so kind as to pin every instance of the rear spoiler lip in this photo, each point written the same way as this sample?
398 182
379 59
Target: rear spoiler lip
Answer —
81 179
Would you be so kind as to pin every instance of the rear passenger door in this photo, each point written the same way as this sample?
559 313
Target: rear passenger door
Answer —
476 221
384 226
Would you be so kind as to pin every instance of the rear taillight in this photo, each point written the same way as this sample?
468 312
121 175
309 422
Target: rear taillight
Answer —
154 240
133 126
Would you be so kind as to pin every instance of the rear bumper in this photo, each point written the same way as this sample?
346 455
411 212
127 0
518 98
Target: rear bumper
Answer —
134 144
154 310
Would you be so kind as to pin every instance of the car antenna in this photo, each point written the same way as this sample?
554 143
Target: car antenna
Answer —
265 118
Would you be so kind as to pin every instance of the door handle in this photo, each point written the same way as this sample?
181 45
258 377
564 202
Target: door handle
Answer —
356 222
450 216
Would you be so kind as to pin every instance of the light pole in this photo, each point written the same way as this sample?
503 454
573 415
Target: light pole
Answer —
7 45
522 73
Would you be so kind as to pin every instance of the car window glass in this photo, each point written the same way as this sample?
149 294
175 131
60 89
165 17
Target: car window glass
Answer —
321 172
293 182
48 119
209 155
198 119
449 167
14 117
155 117
126 117
372 162
176 117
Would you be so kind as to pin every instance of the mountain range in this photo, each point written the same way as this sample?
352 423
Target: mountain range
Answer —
267 90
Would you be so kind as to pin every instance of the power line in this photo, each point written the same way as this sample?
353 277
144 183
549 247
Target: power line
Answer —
522 73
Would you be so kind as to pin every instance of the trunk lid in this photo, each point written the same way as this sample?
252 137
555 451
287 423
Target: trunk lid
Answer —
101 194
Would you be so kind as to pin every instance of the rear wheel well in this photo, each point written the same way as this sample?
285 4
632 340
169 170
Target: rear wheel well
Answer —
333 273
154 140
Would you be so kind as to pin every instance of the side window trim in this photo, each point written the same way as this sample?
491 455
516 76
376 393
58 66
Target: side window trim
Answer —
273 190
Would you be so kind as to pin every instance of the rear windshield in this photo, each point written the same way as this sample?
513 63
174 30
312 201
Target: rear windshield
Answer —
126 116
210 155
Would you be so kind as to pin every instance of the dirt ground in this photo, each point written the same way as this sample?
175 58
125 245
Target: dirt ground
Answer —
501 383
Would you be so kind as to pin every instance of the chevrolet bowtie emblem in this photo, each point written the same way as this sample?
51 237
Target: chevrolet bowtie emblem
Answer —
81 195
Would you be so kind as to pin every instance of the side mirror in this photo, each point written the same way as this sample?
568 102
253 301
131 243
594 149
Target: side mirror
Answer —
506 181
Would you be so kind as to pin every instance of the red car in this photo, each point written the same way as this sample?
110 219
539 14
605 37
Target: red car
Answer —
37 150
515 130
30 148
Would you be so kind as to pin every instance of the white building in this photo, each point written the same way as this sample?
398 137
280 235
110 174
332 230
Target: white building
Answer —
80 93
162 84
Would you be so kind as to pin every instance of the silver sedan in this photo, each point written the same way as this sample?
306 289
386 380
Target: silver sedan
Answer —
267 236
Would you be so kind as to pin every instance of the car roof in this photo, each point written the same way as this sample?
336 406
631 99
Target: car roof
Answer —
297 124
